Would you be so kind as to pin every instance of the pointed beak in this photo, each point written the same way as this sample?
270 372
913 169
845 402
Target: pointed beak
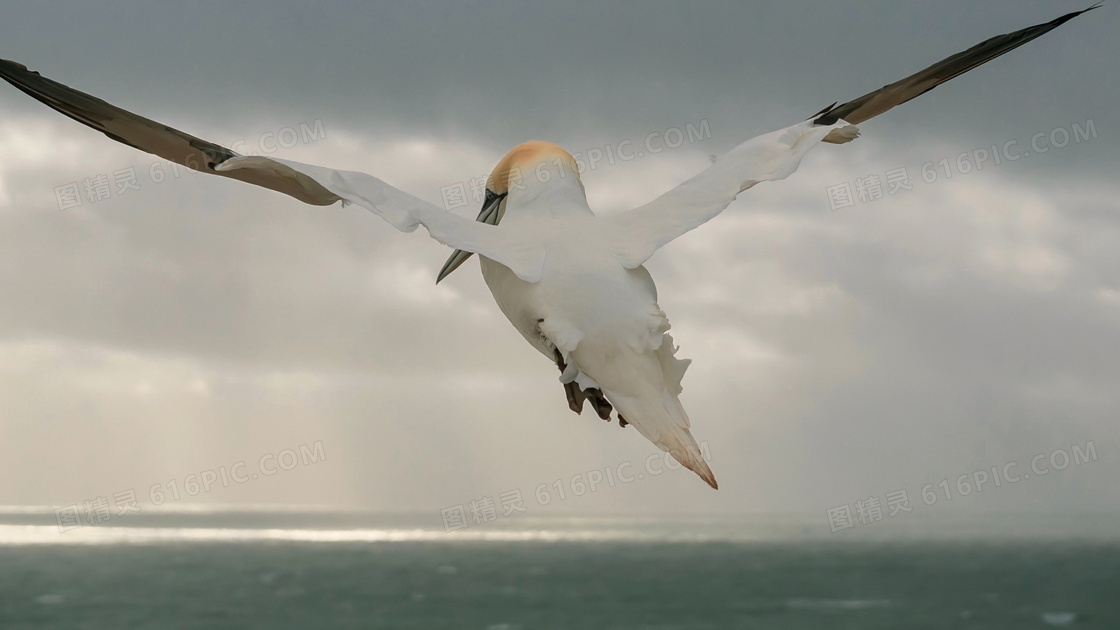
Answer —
456 259
489 214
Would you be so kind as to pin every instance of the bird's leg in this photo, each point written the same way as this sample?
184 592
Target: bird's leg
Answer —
576 396
571 390
602 407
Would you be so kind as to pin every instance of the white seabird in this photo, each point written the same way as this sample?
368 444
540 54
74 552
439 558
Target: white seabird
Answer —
572 283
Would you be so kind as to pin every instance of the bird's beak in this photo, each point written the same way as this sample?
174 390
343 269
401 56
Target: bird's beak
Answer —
456 259
490 215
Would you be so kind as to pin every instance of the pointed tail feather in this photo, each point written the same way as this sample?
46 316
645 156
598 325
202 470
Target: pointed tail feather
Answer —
682 446
663 421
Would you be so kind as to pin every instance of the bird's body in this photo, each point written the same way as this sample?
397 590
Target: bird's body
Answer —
571 283
588 312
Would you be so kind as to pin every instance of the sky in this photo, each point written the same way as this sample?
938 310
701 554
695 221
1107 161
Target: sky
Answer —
963 320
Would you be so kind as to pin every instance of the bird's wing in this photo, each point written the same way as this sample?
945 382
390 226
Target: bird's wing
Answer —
871 105
521 250
637 233
314 185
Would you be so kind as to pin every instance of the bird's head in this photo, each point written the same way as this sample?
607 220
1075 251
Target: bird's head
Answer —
533 167
527 172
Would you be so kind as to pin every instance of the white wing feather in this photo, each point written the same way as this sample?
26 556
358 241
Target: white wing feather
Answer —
637 233
517 249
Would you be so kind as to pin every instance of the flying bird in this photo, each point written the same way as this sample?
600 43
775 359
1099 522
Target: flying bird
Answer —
572 283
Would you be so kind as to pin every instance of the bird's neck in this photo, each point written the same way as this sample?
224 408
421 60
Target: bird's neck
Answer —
548 189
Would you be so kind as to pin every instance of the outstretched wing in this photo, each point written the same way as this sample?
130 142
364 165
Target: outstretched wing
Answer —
523 252
639 232
871 105
636 234
314 185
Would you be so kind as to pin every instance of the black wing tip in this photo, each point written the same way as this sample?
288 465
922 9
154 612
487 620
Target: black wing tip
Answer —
1062 19
825 110
829 115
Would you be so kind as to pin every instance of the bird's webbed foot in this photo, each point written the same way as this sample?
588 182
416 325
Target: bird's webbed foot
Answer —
577 395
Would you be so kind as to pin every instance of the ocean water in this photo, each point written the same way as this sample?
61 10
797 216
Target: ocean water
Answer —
255 568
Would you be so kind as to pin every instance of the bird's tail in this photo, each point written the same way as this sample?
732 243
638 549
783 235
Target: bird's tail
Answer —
664 422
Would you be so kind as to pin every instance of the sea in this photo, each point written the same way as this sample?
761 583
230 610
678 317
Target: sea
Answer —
262 567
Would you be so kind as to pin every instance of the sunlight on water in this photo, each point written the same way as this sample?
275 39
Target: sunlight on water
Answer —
247 524
50 535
